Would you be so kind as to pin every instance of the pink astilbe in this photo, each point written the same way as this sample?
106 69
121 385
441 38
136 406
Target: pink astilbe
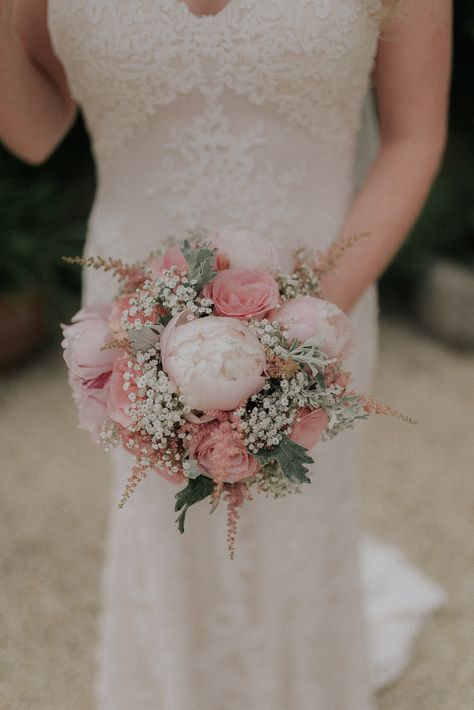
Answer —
335 377
235 495
131 274
326 262
139 472
372 406
148 460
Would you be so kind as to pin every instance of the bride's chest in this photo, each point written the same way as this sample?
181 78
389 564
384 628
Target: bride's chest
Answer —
109 45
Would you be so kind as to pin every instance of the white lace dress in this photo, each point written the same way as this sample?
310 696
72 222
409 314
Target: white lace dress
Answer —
245 119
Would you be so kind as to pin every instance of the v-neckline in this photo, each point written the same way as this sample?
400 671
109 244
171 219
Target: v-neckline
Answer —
210 16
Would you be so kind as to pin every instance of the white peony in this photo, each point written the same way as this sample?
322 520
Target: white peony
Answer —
216 363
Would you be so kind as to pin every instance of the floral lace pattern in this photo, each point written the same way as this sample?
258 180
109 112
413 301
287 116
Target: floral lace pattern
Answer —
126 58
209 164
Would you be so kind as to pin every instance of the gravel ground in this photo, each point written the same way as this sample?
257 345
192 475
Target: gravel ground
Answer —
418 495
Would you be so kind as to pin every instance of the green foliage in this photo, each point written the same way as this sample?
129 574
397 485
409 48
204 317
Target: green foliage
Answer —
42 218
201 264
33 236
291 457
196 490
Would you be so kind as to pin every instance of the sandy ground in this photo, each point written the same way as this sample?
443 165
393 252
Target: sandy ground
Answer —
418 494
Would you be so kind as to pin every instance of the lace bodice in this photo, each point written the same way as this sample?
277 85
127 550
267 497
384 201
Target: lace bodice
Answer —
306 59
246 118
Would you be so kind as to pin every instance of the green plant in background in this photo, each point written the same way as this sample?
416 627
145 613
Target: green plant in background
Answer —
42 218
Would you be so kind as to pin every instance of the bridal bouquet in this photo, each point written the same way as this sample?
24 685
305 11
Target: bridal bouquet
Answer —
215 369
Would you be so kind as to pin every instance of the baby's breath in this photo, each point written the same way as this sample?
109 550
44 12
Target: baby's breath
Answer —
269 415
271 481
157 412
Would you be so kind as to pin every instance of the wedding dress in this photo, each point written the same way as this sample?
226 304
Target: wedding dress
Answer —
245 119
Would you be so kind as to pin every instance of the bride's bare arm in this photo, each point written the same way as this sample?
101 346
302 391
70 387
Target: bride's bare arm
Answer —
412 84
36 110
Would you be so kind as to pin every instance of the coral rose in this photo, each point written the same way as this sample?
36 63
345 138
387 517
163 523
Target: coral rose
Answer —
241 293
306 317
115 318
310 425
215 363
221 453
118 403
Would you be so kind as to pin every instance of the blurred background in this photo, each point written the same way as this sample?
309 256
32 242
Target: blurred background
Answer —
417 488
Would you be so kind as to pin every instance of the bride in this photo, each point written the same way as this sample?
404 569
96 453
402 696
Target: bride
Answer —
242 114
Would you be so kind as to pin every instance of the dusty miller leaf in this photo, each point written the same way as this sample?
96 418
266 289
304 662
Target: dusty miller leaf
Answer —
291 457
201 264
193 470
143 339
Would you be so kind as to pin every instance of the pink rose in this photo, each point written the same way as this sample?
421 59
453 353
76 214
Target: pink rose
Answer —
214 362
247 250
306 317
310 425
118 403
172 257
221 453
240 293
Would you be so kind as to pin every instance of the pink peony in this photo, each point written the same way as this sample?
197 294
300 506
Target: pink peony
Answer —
90 368
240 293
306 317
83 339
307 431
247 250
172 257
215 363
221 453
91 400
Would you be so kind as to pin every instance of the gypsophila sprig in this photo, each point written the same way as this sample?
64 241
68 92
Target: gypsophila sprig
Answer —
269 414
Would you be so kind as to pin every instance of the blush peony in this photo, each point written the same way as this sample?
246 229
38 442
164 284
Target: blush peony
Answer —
241 293
90 368
83 339
310 425
305 317
215 363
